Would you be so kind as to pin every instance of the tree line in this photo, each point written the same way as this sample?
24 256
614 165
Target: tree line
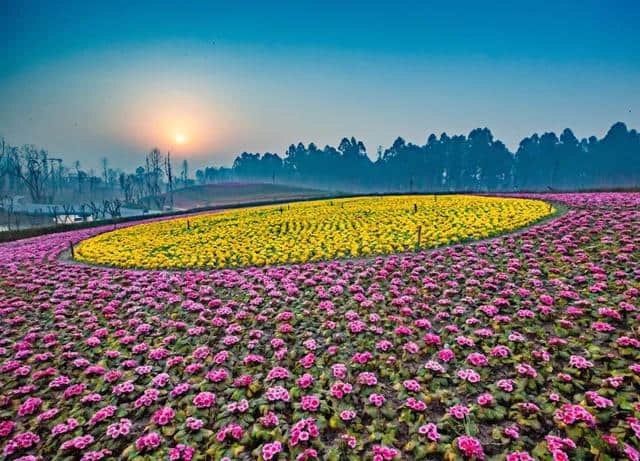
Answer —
31 171
476 162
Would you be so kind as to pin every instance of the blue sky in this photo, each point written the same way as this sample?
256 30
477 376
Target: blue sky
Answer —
93 79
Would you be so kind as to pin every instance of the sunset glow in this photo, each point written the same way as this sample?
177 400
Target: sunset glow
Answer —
207 80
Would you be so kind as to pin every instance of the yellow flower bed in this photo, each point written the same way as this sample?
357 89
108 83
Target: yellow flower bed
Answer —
310 231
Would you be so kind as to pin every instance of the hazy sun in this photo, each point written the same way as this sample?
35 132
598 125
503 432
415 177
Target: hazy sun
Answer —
180 138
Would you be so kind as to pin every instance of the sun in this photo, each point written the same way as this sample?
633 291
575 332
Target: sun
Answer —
180 138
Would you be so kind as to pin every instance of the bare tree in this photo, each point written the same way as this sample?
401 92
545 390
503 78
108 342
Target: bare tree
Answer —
30 167
117 204
67 211
82 211
55 175
54 212
112 207
94 209
16 219
112 178
6 205
80 175
129 187
93 183
184 174
3 163
153 174
169 178
104 161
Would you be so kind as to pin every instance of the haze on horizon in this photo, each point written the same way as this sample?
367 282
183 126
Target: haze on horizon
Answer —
87 80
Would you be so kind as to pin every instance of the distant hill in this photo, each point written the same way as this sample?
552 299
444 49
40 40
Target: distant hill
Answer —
231 193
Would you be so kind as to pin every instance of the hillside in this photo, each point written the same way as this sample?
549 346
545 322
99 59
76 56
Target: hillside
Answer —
231 193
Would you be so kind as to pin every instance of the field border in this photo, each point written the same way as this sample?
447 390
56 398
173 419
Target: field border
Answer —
22 234
560 210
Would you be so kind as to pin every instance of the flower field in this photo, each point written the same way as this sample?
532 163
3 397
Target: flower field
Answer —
311 231
526 346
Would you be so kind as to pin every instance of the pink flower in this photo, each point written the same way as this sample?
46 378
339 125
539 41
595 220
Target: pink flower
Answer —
632 453
238 407
525 369
204 399
339 371
121 428
269 420
430 430
446 355
163 416
458 411
243 381
519 456
277 393
477 359
80 442
380 453
340 389
181 452
411 385
303 430
559 455
469 375
310 403
500 351
570 414
416 405
29 406
367 378
350 440
598 400
269 450
6 428
470 447
20 441
546 299
102 414
194 424
149 441
347 415
485 399
305 381
512 431
277 373
377 399
579 362
232 429
217 375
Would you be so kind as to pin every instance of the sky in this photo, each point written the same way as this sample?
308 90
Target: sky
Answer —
87 79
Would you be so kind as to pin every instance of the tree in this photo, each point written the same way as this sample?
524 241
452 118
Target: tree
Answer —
105 168
569 171
153 173
185 171
81 176
30 167
476 162
169 178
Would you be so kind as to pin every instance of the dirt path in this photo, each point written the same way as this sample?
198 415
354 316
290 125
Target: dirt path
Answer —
561 209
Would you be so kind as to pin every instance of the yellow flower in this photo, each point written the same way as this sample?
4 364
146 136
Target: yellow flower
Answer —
310 231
